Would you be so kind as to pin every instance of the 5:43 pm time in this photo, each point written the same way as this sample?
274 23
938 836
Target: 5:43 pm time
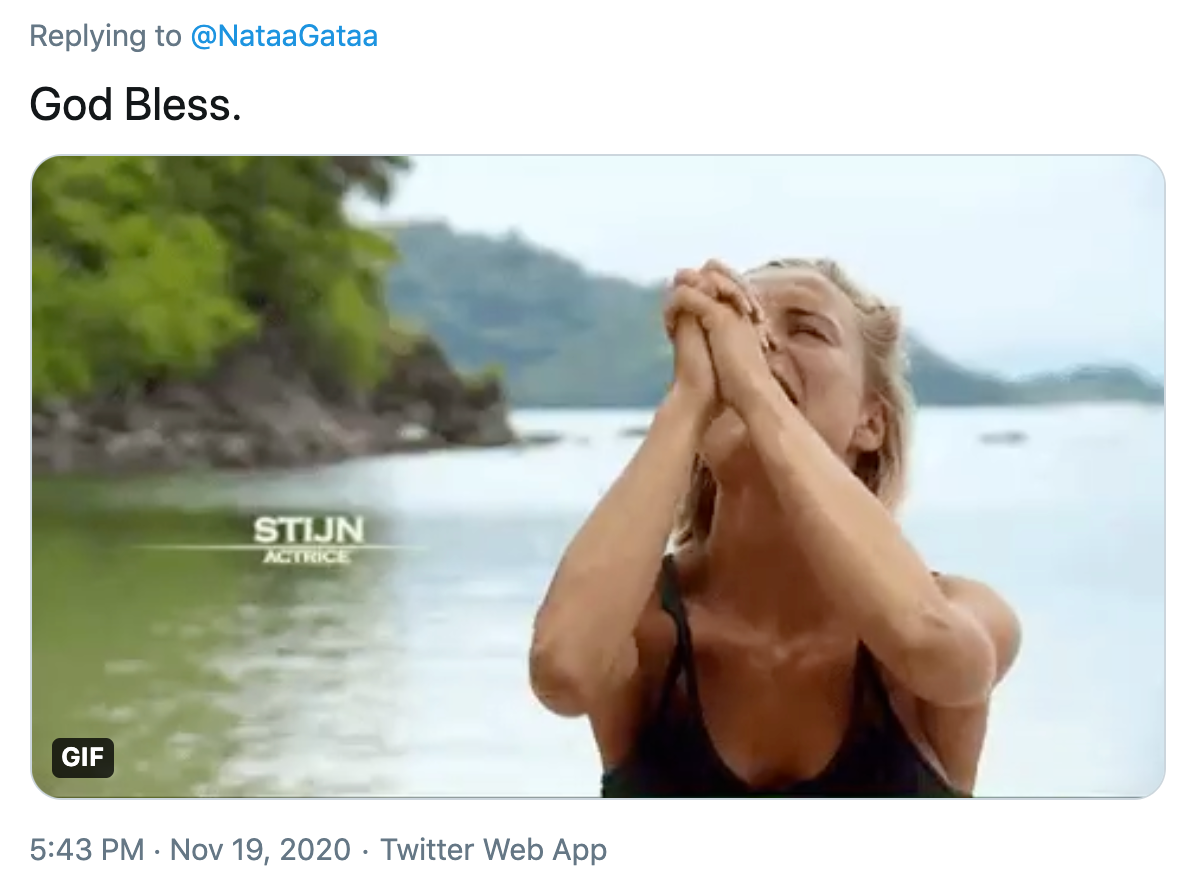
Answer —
43 850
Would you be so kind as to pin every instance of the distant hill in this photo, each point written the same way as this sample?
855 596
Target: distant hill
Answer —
563 336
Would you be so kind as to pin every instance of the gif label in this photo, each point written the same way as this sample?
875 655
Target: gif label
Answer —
84 758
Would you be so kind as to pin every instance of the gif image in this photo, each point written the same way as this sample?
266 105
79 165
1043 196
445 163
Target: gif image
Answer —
388 476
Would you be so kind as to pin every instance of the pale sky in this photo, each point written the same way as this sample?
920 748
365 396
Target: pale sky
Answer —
1015 264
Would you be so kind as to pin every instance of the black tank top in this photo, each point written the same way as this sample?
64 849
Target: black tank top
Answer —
675 758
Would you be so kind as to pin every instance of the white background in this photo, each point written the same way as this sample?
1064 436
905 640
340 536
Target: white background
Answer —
616 77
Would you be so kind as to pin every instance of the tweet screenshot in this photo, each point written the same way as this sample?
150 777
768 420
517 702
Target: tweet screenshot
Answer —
596 447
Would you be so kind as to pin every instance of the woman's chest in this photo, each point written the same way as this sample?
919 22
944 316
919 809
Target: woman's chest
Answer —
773 713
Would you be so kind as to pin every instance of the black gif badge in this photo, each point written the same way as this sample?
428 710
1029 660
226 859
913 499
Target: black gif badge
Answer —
84 758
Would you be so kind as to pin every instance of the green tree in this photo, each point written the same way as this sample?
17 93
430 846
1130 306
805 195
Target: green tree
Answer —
147 268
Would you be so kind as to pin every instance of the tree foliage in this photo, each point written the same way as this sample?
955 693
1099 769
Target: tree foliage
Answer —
147 268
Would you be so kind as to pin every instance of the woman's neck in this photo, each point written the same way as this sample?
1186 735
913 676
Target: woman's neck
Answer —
751 566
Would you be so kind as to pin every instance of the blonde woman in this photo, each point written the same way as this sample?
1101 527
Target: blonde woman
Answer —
792 643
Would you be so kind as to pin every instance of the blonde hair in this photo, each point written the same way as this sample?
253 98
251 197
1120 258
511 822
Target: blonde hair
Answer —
883 471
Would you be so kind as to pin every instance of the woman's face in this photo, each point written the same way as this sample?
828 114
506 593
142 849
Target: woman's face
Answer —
819 357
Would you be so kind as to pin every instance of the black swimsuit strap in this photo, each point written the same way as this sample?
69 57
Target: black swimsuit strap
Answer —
869 679
683 662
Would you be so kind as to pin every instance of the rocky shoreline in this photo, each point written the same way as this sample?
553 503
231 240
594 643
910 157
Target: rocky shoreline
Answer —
262 408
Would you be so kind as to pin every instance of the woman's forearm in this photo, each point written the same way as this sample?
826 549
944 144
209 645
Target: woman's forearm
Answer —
859 555
584 630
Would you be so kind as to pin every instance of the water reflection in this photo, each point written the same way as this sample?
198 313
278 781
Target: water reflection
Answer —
405 673
316 677
121 640
212 674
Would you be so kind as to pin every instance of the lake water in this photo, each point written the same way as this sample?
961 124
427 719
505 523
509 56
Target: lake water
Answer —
405 674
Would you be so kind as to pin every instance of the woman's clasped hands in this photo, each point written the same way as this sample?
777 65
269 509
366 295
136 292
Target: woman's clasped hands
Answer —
721 338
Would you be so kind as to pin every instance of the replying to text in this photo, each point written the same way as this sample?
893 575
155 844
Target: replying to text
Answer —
95 37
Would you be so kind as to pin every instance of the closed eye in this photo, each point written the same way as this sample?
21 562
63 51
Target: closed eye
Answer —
804 328
800 323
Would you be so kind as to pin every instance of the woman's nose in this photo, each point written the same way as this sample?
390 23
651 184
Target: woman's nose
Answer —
779 363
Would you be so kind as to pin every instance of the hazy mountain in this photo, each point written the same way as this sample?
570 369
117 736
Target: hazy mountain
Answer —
563 336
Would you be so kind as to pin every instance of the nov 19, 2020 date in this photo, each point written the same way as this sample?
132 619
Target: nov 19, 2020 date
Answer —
140 104
186 850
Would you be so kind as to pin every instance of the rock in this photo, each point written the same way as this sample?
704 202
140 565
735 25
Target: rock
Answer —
262 408
54 453
113 415
235 450
490 428
68 422
484 393
183 397
131 450
279 452
54 406
541 439
420 414
412 432
189 442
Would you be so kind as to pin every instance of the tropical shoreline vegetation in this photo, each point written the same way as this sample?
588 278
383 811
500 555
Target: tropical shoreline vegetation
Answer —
198 312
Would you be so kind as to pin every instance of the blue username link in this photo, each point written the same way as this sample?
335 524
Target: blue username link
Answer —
204 37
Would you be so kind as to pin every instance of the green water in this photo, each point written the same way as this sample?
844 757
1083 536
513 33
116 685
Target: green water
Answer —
132 644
